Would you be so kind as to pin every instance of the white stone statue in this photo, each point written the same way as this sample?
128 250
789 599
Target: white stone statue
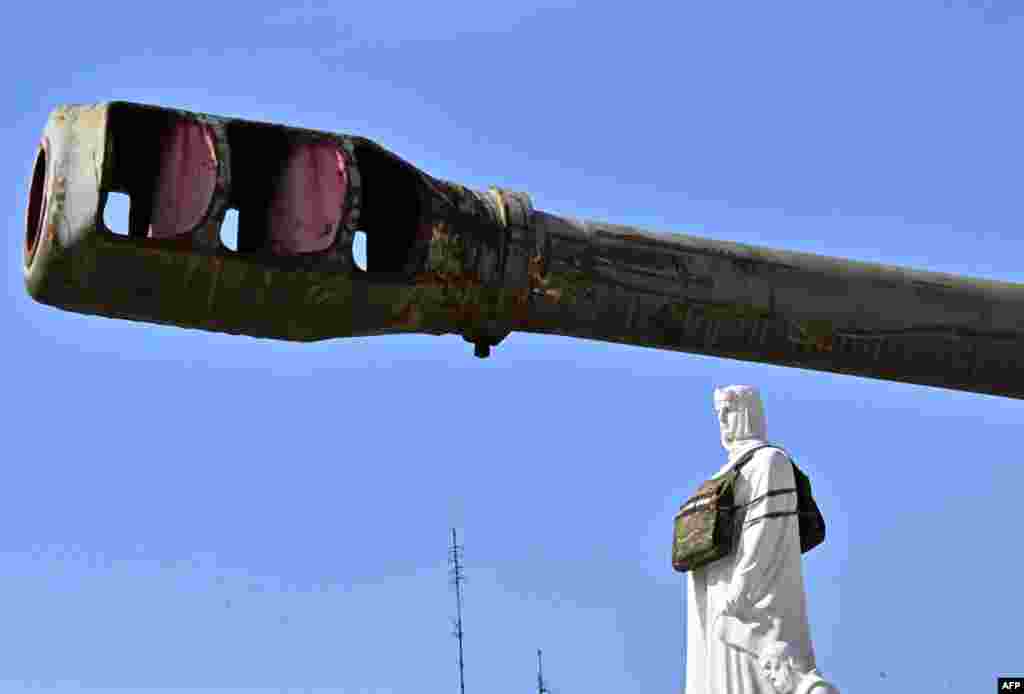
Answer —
780 668
775 661
760 585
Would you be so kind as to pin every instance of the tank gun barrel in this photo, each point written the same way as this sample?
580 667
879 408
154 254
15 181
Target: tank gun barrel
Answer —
444 259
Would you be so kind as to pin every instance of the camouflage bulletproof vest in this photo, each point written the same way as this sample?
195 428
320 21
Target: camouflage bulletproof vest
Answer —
706 527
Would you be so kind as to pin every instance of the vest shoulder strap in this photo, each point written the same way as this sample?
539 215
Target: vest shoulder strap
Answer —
750 454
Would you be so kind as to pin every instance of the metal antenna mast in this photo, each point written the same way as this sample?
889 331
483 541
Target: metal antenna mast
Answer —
541 687
455 561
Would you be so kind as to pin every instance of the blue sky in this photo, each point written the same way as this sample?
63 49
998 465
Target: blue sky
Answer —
192 512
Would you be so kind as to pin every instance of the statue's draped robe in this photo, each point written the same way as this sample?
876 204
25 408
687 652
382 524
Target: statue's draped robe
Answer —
765 564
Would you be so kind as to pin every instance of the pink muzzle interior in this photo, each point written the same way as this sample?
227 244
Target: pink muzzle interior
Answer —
185 181
305 208
308 202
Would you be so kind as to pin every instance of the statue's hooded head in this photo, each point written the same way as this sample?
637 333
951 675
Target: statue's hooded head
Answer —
740 418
